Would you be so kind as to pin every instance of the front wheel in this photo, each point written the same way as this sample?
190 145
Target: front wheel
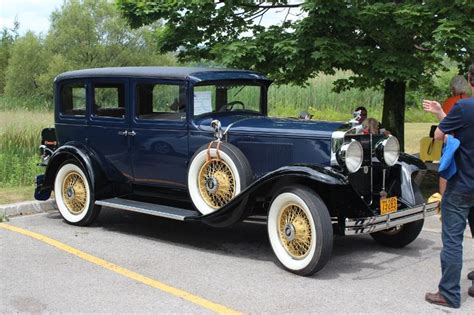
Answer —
300 230
401 235
74 196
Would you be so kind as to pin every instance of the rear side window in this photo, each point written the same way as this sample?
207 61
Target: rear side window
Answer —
161 101
109 100
73 99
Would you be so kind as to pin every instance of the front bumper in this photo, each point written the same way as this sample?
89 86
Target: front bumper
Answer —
385 222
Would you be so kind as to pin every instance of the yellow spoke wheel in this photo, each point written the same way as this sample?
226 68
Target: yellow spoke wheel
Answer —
74 193
300 230
216 183
295 231
74 196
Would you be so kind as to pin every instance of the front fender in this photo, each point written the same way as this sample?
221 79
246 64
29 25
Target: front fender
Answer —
314 176
410 183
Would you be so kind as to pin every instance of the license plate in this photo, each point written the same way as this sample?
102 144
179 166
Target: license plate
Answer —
388 205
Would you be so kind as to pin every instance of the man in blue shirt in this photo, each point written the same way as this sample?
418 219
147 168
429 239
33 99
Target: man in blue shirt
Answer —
458 199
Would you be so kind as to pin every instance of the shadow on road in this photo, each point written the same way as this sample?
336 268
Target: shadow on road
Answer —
351 254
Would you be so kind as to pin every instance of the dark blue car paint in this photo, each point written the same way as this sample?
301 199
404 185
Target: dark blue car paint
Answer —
72 150
157 156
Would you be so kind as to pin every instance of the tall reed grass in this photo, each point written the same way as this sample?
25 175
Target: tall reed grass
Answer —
19 140
323 103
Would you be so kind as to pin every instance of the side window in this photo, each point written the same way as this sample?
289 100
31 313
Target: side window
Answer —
161 101
73 99
109 100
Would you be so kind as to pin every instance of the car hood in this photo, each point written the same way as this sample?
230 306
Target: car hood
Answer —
293 127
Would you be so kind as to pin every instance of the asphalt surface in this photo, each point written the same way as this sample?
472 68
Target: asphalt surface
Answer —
232 267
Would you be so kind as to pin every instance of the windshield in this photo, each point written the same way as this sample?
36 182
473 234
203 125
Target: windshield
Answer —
227 97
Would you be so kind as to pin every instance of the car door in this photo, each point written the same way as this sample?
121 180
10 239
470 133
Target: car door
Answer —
160 141
109 122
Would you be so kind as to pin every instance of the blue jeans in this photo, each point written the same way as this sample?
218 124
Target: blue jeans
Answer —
454 209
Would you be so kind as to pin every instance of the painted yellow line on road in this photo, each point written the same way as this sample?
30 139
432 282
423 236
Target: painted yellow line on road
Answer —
123 271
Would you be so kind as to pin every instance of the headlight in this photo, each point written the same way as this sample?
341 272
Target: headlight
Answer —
351 155
388 151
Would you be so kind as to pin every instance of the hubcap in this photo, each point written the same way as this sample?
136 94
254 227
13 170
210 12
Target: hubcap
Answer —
211 184
290 232
295 231
216 183
74 193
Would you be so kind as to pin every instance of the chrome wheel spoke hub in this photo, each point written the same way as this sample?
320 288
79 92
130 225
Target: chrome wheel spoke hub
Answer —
212 184
290 232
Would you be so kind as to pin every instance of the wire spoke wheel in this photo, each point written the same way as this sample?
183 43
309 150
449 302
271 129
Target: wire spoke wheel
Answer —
216 183
215 178
295 231
300 230
74 193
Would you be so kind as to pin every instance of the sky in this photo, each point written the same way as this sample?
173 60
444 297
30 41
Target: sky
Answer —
34 15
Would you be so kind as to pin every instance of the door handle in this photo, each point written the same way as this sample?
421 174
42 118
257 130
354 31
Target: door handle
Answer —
123 133
132 133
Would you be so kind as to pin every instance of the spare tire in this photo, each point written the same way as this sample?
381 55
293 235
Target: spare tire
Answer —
214 178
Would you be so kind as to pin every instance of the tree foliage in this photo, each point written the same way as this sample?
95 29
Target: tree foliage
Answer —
26 64
7 38
82 34
395 45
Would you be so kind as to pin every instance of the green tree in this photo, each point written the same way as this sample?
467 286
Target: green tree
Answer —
391 44
25 65
7 38
88 34
93 34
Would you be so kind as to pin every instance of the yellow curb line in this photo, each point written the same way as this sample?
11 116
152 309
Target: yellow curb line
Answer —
220 309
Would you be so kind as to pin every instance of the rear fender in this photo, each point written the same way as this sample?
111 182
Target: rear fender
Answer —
79 153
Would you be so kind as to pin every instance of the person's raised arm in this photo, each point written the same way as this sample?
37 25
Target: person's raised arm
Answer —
435 108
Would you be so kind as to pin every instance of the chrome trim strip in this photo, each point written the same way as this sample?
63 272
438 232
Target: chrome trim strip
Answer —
384 222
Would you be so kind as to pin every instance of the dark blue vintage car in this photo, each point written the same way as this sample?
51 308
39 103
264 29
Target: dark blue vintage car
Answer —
197 144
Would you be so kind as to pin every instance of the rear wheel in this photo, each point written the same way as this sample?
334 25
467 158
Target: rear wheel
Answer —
300 230
74 196
402 235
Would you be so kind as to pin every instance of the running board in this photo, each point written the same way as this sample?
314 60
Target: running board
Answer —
148 208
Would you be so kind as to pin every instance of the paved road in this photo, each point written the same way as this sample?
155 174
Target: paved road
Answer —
232 267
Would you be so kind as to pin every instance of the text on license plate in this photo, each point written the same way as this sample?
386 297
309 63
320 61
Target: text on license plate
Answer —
388 205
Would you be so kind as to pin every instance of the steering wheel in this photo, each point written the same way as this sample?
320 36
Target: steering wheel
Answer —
230 106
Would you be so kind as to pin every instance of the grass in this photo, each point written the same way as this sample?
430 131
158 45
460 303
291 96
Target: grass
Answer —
319 99
16 194
19 140
413 134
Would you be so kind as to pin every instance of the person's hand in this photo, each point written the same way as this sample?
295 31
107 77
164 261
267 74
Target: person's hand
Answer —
432 107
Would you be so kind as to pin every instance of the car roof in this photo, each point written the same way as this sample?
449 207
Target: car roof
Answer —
195 74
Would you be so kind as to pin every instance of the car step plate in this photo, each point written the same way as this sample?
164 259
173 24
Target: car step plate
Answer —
148 208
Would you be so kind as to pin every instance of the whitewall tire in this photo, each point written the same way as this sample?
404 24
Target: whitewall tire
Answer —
73 194
300 230
216 178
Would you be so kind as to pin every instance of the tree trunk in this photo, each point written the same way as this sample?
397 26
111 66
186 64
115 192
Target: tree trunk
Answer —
393 118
